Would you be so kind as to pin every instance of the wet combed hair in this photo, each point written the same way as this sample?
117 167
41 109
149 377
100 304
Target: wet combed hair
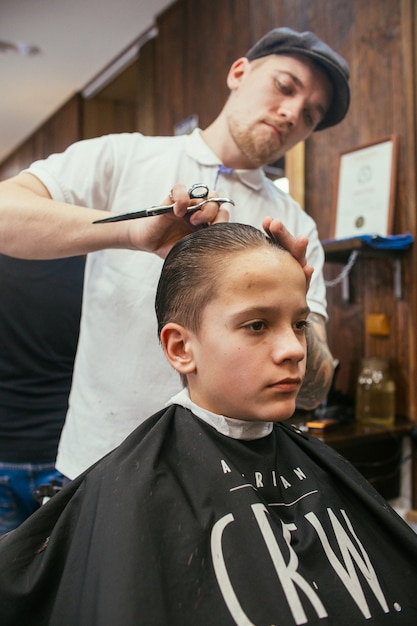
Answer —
192 269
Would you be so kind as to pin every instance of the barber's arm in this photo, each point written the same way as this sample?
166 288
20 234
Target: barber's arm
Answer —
320 368
34 226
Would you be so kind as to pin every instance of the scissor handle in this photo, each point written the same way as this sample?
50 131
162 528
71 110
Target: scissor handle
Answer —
198 206
198 190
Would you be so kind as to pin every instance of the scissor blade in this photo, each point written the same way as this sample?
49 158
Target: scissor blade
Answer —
124 216
133 215
158 210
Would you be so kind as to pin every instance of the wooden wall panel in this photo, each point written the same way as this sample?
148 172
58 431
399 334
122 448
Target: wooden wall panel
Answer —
145 90
16 161
170 70
197 42
56 134
378 47
101 116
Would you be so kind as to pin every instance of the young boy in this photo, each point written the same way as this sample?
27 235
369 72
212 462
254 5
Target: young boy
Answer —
215 512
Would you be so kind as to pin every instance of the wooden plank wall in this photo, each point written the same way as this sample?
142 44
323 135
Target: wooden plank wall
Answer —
56 134
76 119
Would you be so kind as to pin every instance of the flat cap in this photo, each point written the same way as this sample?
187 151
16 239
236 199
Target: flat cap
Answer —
288 41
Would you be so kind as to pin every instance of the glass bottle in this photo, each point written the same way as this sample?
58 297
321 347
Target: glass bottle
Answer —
375 393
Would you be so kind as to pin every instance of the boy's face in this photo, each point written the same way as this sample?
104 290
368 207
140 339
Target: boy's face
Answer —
249 355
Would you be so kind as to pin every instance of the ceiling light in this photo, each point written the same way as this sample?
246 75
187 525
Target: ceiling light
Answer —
19 47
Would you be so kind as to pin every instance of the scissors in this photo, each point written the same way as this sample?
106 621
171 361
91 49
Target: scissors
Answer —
198 190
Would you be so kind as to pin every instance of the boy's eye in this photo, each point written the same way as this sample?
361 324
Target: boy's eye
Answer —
302 325
256 326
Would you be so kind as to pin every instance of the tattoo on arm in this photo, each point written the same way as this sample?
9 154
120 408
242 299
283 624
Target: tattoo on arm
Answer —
320 367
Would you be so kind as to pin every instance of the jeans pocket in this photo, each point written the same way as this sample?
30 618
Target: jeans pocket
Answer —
10 517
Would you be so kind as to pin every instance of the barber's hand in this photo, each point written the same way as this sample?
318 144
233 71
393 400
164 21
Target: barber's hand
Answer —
159 233
297 246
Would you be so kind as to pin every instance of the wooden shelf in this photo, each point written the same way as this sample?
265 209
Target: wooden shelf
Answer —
338 251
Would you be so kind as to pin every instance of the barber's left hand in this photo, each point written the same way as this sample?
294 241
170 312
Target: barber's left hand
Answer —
297 246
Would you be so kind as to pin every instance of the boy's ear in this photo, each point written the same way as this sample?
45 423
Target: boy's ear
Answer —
175 340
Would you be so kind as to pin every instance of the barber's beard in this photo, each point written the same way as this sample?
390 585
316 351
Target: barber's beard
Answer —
259 146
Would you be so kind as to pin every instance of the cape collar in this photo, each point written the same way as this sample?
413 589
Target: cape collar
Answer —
230 427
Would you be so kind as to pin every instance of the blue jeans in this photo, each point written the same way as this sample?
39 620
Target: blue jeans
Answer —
18 483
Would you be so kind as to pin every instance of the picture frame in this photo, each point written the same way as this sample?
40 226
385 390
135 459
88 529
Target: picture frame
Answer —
365 190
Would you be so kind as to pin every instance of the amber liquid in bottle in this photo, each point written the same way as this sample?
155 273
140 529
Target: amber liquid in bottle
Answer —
375 393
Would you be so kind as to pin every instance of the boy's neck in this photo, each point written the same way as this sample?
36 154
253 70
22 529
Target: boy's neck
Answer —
230 427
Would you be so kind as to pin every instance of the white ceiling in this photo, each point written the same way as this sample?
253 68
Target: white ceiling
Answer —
77 38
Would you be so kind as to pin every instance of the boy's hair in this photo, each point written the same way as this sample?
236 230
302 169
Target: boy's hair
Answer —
192 269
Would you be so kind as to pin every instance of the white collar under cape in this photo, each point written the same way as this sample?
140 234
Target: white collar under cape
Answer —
233 428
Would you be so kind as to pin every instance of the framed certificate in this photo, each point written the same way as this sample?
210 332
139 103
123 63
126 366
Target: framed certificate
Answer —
365 190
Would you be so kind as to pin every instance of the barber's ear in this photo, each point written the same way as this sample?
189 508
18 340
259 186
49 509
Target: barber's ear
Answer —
236 73
176 342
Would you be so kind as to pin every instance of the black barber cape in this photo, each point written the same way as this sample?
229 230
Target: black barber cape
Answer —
183 526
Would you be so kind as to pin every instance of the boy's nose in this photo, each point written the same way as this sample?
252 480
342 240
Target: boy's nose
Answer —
289 346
